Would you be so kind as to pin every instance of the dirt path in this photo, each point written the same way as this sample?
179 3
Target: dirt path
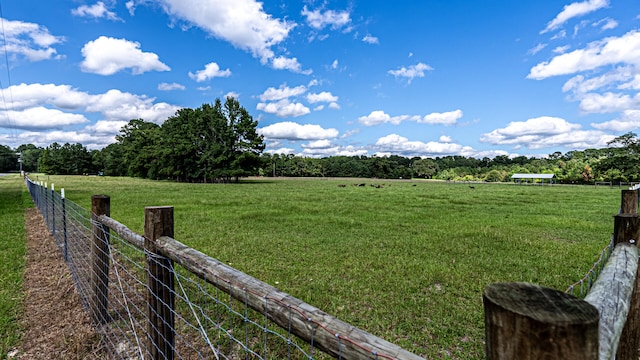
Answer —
56 325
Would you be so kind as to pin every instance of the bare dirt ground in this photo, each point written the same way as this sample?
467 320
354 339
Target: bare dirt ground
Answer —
56 325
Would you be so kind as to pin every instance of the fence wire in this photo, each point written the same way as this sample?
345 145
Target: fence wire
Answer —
208 323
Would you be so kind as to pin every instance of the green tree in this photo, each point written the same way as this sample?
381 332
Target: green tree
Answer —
8 159
425 168
140 150
29 154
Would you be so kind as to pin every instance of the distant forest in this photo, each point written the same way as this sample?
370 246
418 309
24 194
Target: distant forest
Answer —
220 143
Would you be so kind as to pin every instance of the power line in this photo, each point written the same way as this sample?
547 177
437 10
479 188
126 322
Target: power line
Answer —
10 120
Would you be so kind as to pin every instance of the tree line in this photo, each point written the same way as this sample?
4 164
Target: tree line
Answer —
219 143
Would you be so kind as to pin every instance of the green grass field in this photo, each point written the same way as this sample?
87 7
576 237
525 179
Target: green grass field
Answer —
406 262
12 260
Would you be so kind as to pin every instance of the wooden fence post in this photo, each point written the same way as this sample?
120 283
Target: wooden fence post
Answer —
100 205
626 228
629 203
158 221
525 321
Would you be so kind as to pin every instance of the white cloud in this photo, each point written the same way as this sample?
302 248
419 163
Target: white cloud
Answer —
318 108
334 64
411 72
561 49
573 10
630 120
39 118
283 92
210 71
400 145
370 39
378 117
243 23
232 94
536 49
168 87
609 51
445 139
608 102
445 118
291 64
334 106
318 144
30 40
606 24
107 56
97 10
580 85
112 105
294 131
106 127
546 132
319 20
323 96
284 108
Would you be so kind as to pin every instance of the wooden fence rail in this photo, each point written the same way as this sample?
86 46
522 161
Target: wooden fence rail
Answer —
525 321
327 333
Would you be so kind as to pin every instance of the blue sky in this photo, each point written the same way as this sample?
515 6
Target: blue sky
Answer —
324 78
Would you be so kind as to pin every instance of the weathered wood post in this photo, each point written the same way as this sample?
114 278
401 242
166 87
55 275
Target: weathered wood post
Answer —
526 321
158 221
100 205
627 228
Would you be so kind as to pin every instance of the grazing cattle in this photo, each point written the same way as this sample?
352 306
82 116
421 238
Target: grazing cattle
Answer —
342 185
471 187
363 184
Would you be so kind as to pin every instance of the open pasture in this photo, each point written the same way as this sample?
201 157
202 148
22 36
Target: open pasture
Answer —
407 262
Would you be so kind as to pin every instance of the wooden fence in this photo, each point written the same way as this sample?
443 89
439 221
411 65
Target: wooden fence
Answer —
525 321
310 324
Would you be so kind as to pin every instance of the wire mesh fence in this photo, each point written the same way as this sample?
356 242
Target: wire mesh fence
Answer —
202 309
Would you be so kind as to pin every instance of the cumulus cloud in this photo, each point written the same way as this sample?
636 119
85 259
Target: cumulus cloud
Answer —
544 132
445 118
294 131
291 64
318 19
97 10
628 121
210 71
411 72
283 92
378 117
168 87
243 23
323 96
107 56
30 40
609 51
114 105
400 145
39 117
608 102
284 108
573 10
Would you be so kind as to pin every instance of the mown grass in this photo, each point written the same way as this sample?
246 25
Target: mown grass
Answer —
406 262
12 259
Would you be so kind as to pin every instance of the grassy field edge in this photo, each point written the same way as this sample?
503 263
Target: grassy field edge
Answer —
13 200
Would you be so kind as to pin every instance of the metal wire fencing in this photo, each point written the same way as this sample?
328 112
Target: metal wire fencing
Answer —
158 299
